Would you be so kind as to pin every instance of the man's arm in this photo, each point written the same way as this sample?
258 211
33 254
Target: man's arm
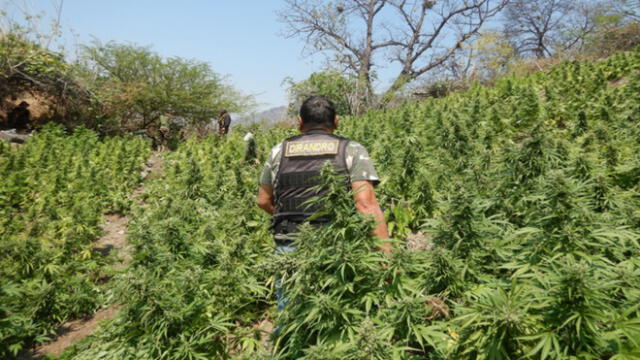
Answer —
265 198
366 203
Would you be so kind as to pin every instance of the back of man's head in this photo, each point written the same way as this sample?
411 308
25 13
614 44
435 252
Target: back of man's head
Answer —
318 112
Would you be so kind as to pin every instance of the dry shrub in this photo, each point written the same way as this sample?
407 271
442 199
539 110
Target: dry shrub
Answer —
609 41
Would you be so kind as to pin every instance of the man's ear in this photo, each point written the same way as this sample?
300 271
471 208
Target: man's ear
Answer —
336 121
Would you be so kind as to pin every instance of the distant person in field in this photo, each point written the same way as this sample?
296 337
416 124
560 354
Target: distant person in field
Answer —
20 117
224 122
250 153
292 169
163 138
153 133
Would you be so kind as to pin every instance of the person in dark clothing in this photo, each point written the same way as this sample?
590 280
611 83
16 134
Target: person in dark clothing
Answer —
224 122
19 118
291 172
299 159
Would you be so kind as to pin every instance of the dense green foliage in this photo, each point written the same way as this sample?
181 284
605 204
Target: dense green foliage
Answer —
112 88
26 67
340 89
134 87
527 191
199 241
19 56
53 194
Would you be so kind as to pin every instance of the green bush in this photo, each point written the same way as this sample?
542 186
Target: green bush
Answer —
525 195
54 192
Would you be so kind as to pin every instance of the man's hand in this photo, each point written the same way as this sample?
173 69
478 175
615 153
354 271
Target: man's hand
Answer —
265 198
366 203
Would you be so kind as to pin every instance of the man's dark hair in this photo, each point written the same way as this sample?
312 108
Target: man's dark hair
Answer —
318 111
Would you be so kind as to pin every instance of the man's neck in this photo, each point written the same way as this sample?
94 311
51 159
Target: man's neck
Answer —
317 129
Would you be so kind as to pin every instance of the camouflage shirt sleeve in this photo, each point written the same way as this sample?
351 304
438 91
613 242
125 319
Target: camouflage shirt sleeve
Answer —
270 169
359 164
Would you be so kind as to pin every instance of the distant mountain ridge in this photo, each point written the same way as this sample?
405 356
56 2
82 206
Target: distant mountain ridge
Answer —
269 116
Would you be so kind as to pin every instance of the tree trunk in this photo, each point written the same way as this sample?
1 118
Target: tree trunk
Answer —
403 79
364 92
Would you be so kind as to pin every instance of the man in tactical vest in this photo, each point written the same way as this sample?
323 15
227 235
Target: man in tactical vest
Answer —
293 167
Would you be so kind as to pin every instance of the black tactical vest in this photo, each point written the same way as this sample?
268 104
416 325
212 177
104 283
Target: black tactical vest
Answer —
302 158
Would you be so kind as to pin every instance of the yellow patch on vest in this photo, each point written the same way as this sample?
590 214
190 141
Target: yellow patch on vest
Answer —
312 148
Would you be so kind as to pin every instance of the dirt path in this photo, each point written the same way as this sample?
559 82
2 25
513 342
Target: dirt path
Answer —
71 332
262 331
115 225
113 242
115 238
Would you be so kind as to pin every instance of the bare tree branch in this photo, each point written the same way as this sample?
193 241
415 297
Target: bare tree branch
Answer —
452 18
420 35
630 9
544 27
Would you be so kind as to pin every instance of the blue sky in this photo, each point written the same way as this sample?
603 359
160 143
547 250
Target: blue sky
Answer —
238 38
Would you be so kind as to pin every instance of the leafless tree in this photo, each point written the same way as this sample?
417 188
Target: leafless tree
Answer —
359 35
545 27
18 17
630 9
